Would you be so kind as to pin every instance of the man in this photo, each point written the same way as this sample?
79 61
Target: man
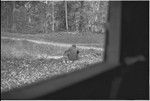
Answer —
72 53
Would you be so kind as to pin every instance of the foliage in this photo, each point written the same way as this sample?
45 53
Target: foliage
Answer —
52 16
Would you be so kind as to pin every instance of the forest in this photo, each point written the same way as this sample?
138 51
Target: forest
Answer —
34 17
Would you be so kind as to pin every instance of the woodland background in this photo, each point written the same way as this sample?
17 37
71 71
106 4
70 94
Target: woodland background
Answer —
33 17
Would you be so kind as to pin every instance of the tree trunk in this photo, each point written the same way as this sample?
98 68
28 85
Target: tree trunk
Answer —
77 22
46 17
14 23
53 17
66 15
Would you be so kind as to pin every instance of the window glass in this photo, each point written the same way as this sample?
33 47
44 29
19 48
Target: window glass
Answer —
43 39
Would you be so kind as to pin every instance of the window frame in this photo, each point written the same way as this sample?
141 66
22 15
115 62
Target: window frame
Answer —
112 57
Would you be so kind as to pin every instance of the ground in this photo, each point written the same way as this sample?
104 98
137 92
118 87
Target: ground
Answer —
28 60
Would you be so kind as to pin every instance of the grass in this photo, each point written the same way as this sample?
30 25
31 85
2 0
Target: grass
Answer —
18 72
21 66
62 37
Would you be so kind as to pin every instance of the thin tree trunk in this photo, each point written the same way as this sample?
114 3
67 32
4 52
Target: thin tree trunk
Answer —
46 17
77 21
77 27
45 25
13 25
66 15
53 17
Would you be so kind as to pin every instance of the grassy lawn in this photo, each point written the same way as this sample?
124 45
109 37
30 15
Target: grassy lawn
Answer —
18 72
24 62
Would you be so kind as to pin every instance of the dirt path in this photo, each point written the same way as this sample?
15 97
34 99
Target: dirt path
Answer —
82 46
94 40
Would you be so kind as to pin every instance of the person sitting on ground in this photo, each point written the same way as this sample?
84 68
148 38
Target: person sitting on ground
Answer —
72 53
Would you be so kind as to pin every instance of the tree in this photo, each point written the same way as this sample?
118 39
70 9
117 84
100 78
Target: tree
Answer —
94 15
50 20
66 15
54 16
14 25
74 15
53 28
60 17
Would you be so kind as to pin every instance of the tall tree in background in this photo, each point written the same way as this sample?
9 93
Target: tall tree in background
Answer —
53 17
6 15
66 15
74 15
77 15
50 20
95 15
71 19
60 16
14 23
